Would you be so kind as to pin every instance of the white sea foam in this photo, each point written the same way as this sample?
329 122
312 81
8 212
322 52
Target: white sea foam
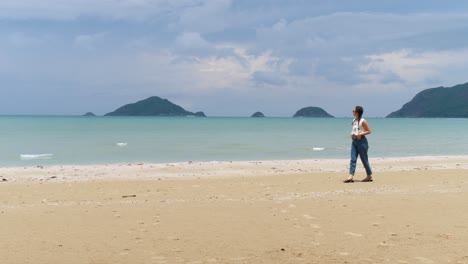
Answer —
122 144
35 156
317 149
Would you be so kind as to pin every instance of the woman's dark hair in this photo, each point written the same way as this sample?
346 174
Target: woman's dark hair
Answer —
359 110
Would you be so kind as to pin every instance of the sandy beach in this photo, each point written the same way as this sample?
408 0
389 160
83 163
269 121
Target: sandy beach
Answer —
236 212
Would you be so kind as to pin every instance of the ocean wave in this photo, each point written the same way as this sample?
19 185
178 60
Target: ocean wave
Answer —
121 144
35 156
318 149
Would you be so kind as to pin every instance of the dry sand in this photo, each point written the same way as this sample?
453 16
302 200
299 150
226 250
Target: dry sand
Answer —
416 211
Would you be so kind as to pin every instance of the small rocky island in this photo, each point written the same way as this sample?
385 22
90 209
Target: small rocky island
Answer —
437 102
89 114
258 114
312 111
153 106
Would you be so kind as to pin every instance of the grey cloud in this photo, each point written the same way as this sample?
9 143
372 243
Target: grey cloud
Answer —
90 41
391 77
336 70
270 78
442 39
303 67
207 16
193 44
352 33
22 40
74 9
325 43
318 44
191 41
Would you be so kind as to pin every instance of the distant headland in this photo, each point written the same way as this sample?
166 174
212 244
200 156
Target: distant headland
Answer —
437 102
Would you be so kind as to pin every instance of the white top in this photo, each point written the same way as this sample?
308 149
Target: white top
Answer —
357 128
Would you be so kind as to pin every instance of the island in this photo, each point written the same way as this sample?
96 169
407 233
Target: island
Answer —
312 111
89 114
437 102
258 114
153 106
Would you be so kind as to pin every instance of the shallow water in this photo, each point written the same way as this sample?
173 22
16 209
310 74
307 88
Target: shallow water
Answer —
44 140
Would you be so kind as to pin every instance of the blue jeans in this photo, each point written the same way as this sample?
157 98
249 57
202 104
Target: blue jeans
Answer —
359 148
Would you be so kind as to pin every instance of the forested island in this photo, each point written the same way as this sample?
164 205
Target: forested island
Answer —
437 102
153 106
312 111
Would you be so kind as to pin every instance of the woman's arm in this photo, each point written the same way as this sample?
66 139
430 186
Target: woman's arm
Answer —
367 130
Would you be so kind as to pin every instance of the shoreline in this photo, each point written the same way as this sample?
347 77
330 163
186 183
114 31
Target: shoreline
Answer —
215 169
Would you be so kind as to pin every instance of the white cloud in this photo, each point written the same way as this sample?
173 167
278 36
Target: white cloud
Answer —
215 73
415 68
155 73
333 50
280 25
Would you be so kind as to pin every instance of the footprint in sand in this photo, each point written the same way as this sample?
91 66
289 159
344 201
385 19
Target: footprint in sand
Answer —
238 259
159 260
344 253
384 244
353 234
424 260
124 253
292 206
306 216
320 234
315 226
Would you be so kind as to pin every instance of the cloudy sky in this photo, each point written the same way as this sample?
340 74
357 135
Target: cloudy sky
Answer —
228 57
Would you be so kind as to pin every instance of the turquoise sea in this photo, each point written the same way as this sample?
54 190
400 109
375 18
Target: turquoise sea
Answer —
47 140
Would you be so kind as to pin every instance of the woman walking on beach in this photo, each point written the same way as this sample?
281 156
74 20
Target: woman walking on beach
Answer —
359 145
